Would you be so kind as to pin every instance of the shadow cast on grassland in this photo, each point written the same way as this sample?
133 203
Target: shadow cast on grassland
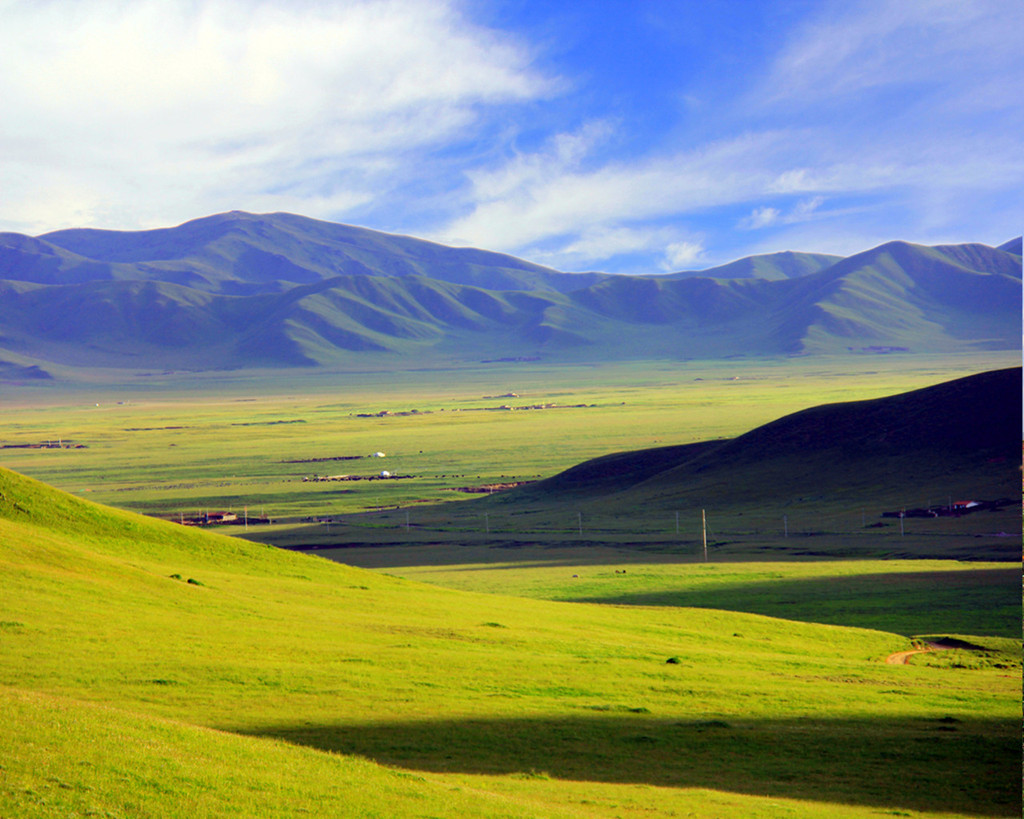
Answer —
943 764
985 601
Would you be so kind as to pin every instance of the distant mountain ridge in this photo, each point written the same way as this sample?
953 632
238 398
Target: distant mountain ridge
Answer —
247 254
1013 246
773 266
240 290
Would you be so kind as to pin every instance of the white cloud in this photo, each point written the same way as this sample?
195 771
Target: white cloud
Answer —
535 200
849 48
140 113
599 244
606 242
679 255
152 109
542 201
765 216
562 154
806 207
537 197
761 217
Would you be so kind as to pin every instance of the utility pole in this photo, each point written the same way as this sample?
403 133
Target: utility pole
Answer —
704 530
580 514
785 525
677 523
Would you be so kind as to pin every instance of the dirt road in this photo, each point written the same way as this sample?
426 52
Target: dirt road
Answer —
901 657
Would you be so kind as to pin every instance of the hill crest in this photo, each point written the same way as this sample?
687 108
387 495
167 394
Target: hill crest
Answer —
963 435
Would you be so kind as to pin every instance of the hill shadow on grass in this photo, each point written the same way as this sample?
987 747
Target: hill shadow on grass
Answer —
985 601
938 764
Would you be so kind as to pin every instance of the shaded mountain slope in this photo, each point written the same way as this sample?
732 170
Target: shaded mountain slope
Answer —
239 290
931 304
963 436
906 295
1014 246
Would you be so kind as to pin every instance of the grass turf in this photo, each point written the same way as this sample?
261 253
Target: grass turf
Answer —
481 693
183 445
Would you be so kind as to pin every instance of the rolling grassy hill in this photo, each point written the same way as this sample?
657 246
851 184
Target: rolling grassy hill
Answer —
247 291
150 670
956 440
957 427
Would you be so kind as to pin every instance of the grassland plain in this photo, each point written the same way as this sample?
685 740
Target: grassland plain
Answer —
180 444
282 683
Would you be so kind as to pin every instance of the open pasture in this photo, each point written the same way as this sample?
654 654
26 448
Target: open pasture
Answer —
231 443
249 679
909 597
804 529
639 678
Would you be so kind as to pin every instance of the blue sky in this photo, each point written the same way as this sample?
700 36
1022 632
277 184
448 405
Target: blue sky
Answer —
637 137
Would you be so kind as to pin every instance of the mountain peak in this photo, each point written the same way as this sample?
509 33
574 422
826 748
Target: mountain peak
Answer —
1013 246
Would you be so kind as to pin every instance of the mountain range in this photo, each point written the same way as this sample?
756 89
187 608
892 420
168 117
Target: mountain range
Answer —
240 290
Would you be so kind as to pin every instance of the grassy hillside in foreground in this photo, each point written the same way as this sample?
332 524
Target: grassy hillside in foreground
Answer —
107 645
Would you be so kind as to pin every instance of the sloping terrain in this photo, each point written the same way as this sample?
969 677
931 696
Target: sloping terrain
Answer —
147 669
772 266
244 291
1013 246
247 254
961 437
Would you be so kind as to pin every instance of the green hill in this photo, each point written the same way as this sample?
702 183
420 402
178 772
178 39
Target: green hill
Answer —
151 670
956 440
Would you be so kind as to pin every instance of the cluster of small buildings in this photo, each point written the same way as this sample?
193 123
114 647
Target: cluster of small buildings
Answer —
221 519
951 509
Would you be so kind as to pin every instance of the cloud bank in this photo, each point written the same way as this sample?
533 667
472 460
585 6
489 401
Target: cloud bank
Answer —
133 113
851 124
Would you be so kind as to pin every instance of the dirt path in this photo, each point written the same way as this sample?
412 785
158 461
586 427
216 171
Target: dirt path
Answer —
901 657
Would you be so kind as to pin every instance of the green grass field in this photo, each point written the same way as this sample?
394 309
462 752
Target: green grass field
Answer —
543 664
280 683
182 445
909 597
